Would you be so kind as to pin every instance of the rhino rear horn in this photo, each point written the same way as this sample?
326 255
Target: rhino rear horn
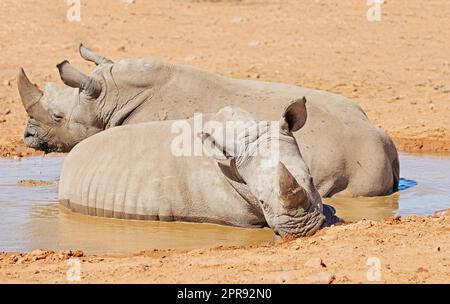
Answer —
76 79
89 55
29 94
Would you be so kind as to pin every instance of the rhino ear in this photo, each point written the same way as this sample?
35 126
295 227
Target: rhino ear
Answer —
89 55
294 116
75 79
226 162
213 149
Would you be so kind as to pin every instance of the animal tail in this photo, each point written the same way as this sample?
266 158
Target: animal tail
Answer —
395 172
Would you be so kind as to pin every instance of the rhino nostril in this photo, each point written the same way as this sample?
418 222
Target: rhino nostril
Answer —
29 133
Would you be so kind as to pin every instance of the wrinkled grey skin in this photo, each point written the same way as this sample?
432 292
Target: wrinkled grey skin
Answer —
346 154
131 172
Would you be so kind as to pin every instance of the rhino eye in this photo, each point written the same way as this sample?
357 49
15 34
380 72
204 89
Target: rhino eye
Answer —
57 117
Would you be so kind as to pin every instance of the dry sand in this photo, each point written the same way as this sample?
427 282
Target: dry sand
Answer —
398 69
408 250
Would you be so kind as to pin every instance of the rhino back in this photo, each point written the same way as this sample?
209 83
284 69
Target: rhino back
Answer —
129 172
339 144
342 148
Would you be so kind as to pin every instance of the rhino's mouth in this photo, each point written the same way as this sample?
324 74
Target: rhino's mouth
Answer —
35 144
36 137
302 223
32 141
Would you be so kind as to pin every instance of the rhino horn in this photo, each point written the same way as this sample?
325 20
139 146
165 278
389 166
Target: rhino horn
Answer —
89 55
292 194
29 94
76 79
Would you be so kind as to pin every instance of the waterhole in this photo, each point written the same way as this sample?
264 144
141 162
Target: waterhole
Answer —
31 218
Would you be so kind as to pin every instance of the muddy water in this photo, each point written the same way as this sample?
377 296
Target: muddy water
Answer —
432 192
30 218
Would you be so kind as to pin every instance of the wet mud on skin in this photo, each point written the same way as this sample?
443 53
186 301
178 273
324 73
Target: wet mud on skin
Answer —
32 218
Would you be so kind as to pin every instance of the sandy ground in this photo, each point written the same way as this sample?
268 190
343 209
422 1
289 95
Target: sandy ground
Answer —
398 69
408 250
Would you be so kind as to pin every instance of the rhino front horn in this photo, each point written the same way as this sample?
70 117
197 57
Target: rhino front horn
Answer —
75 79
291 193
29 94
89 55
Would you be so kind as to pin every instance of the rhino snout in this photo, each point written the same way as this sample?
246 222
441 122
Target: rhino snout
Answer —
29 137
29 133
32 140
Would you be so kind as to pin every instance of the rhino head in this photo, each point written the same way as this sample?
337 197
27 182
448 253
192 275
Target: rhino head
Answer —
278 178
62 115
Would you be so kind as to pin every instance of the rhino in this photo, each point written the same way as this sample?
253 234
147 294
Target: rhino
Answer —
346 154
134 172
